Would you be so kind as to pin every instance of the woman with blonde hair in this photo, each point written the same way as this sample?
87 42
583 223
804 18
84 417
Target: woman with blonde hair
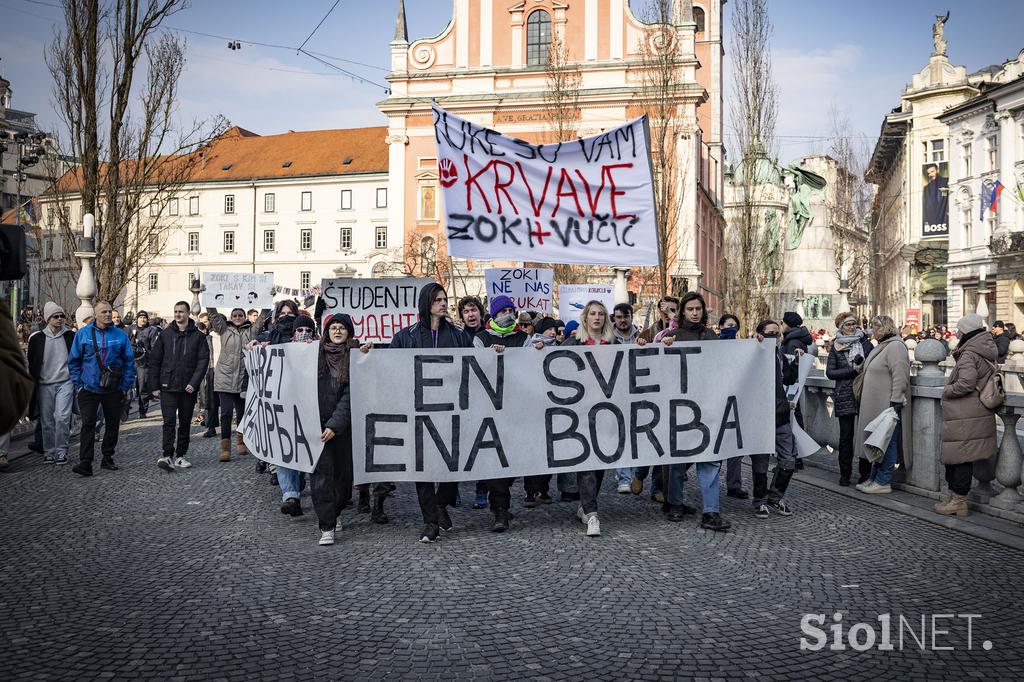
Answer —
849 349
886 373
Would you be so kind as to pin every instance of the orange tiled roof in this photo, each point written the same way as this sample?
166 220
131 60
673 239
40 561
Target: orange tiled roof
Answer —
238 154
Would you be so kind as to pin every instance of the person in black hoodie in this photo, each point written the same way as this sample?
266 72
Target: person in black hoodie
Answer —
794 335
433 330
177 365
771 500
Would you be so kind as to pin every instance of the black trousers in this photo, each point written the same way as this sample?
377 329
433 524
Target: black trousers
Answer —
331 482
140 388
212 399
433 495
229 402
499 493
847 428
177 405
959 476
88 404
537 484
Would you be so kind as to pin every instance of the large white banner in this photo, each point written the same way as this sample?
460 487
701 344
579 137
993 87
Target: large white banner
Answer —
473 414
379 307
237 290
529 288
572 298
805 445
589 200
281 422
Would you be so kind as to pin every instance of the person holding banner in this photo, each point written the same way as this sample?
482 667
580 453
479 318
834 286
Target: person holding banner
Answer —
177 365
501 332
545 335
668 309
694 327
229 374
849 349
728 327
471 314
767 500
433 330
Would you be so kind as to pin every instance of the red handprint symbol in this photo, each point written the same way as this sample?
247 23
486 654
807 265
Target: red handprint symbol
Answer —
448 172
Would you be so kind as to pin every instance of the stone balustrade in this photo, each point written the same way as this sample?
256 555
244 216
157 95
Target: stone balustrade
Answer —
998 478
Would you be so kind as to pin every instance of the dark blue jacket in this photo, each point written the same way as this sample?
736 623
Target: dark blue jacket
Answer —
82 363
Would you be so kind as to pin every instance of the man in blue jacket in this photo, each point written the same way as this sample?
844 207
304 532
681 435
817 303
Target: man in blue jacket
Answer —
102 370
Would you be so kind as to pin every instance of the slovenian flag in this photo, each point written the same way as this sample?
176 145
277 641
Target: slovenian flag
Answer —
997 189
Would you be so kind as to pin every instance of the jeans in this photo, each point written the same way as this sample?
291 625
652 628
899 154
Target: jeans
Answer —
229 402
785 454
176 405
624 476
881 470
289 481
590 485
331 482
959 476
708 474
89 404
55 402
431 497
567 483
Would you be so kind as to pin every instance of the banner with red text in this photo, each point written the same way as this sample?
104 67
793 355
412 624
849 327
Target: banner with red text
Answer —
588 201
379 307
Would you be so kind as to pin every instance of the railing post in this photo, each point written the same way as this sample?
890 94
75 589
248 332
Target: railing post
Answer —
1008 468
922 461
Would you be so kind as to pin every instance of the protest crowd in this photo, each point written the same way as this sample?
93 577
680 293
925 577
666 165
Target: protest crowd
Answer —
195 368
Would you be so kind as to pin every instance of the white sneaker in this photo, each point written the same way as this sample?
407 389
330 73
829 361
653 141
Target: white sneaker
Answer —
581 515
182 463
875 488
165 464
593 525
624 489
327 537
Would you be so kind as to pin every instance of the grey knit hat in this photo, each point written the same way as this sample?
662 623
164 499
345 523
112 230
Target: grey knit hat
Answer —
970 323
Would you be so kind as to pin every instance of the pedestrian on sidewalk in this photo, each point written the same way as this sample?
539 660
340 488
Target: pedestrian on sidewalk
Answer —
102 369
142 335
968 427
886 381
850 348
177 364
48 352
229 374
208 395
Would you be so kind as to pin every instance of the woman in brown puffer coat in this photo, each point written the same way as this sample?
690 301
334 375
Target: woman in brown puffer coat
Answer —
968 427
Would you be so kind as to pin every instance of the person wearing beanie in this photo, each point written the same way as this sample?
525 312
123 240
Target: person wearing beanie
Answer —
433 330
229 378
500 332
48 352
796 337
968 426
177 364
142 336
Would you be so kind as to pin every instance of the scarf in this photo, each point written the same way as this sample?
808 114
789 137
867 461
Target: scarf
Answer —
283 330
334 360
728 333
695 327
498 330
854 344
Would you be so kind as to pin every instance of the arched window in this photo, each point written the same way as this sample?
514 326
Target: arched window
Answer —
698 18
538 38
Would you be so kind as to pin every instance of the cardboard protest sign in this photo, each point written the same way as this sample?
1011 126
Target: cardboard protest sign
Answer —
379 307
588 201
237 290
529 288
281 422
473 414
572 298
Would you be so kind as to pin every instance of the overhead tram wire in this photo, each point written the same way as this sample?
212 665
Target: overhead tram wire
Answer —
317 28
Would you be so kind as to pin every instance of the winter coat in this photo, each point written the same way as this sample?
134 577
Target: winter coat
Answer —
968 427
419 335
37 347
839 370
229 374
1002 346
797 338
684 334
628 338
786 374
142 339
16 384
886 380
82 360
178 359
486 339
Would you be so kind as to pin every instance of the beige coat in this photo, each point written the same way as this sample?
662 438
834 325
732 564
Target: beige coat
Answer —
968 427
886 380
229 373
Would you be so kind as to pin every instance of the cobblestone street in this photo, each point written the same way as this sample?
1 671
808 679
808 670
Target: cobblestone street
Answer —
139 574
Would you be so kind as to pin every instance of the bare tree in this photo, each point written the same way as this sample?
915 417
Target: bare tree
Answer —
422 256
850 201
752 265
115 88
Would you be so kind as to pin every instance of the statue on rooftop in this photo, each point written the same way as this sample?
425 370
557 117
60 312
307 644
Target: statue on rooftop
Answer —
938 38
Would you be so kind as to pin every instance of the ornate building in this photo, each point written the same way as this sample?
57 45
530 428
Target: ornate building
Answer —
491 65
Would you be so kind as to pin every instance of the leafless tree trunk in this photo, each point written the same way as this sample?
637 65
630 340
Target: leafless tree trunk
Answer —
751 266
850 202
131 151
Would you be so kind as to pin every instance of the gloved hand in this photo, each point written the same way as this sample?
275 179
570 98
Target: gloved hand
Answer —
859 360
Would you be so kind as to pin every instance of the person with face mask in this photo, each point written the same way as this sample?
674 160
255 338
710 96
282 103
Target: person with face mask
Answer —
767 501
693 326
229 378
177 366
433 330
728 328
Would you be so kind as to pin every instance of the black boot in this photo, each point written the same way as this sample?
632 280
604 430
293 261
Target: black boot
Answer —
364 500
500 521
714 521
378 515
443 520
